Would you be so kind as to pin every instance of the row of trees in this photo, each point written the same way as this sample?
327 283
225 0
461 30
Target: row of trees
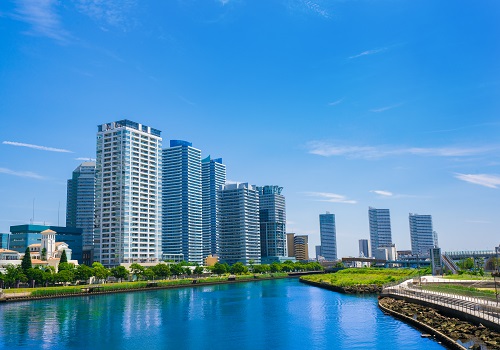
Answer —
68 273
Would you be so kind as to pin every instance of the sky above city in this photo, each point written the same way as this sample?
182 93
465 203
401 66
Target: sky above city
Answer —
346 104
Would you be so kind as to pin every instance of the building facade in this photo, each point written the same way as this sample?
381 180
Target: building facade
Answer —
272 218
301 247
23 236
239 239
182 202
4 240
213 177
80 202
380 228
364 250
328 236
423 238
127 197
289 244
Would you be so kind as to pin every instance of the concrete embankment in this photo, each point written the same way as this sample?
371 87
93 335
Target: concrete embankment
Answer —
447 329
355 289
194 283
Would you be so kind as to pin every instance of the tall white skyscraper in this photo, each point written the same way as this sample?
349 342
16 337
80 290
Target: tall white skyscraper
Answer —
213 177
239 239
128 202
80 202
272 217
380 228
422 236
328 236
182 202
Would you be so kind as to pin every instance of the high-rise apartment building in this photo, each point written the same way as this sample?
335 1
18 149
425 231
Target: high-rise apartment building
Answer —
239 239
272 217
213 177
301 247
182 202
328 236
127 195
380 228
422 236
364 248
80 202
289 244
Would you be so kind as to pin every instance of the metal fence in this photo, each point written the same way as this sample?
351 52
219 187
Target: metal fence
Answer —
481 308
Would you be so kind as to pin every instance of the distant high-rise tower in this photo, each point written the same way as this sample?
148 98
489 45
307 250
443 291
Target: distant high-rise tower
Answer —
328 236
80 202
182 202
363 248
127 201
422 236
272 217
380 228
301 247
239 239
213 177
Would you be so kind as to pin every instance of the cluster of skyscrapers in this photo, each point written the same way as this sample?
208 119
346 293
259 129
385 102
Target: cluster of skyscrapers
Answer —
140 202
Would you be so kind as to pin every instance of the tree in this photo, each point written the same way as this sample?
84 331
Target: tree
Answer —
219 268
26 262
176 269
120 272
137 270
65 276
99 271
188 271
149 273
43 255
198 270
275 267
83 272
64 257
238 268
35 276
65 266
161 270
14 275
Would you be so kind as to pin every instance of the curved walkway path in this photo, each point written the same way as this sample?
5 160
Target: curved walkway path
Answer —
479 308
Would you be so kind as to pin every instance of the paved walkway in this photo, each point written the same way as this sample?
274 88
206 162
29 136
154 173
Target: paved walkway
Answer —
481 308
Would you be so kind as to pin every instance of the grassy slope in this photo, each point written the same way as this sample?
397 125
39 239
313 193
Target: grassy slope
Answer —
366 276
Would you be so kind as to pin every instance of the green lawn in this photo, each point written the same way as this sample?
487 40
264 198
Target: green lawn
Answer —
461 290
354 276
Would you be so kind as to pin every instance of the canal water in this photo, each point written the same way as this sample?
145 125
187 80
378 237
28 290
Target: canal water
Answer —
278 314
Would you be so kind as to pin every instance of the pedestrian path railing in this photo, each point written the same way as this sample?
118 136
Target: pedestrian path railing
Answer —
481 308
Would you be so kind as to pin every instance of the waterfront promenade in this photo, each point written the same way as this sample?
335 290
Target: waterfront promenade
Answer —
471 308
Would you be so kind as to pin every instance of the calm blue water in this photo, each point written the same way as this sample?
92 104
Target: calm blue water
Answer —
280 314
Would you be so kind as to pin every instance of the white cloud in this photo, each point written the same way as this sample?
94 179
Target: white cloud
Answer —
326 149
383 193
486 180
369 52
383 109
330 197
42 17
85 159
28 174
223 2
334 103
41 148
112 12
316 8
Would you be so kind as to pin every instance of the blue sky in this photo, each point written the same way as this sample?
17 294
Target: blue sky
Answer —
346 104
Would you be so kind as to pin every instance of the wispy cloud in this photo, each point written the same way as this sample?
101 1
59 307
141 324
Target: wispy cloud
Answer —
369 52
478 221
326 149
28 174
85 159
42 17
330 197
111 12
486 180
383 193
223 2
316 8
386 108
41 148
334 103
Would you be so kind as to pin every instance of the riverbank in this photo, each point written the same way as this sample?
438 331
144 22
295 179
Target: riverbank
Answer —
359 281
110 288
443 327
